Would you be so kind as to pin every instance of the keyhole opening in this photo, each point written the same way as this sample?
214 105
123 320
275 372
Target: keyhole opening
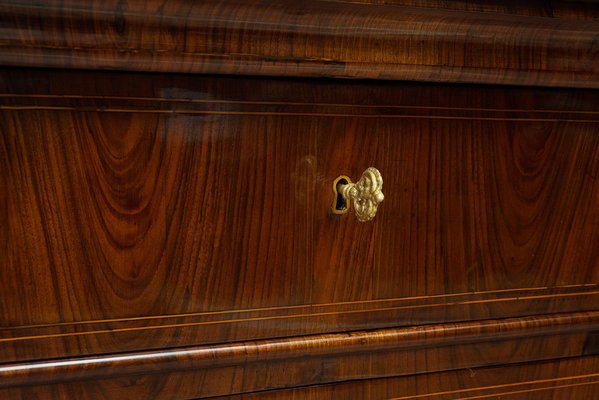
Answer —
340 205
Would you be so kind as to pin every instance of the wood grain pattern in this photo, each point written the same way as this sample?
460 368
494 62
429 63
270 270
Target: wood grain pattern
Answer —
252 377
339 356
170 236
532 381
100 243
592 345
576 10
552 45
60 339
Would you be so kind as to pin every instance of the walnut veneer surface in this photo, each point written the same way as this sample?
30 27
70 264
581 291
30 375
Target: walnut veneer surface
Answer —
170 236
535 42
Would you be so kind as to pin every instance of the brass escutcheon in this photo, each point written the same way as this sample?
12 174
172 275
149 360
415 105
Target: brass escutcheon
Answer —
366 194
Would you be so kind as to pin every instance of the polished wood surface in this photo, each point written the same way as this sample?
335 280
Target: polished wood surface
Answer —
569 9
491 208
170 236
216 370
571 379
323 346
521 43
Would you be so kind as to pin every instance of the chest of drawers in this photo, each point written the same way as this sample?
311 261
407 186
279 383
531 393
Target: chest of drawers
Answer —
169 228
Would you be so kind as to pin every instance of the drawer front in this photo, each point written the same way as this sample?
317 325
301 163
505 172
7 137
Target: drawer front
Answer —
146 211
531 381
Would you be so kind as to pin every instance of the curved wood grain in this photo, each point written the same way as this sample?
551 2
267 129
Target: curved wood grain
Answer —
216 356
102 252
313 38
172 232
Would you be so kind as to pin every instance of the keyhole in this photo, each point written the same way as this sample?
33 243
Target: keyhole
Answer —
340 205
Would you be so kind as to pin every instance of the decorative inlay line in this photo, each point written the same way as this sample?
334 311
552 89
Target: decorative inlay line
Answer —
286 114
529 390
318 305
291 103
507 385
153 327
332 344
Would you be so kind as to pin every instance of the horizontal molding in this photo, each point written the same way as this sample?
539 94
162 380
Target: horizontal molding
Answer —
326 345
352 369
64 339
313 38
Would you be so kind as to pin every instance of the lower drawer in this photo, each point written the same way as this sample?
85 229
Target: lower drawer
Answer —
571 379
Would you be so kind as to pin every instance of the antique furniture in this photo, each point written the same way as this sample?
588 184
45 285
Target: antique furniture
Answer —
329 199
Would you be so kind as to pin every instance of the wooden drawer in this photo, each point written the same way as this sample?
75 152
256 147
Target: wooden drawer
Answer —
152 211
534 381
170 236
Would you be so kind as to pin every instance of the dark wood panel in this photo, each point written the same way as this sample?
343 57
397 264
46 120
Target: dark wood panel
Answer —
569 9
572 379
299 361
482 204
116 221
134 214
552 45
592 345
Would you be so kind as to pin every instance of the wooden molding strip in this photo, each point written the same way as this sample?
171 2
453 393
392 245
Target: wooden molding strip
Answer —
309 38
125 335
221 355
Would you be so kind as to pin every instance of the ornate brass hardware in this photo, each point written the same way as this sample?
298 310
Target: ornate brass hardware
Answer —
366 194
